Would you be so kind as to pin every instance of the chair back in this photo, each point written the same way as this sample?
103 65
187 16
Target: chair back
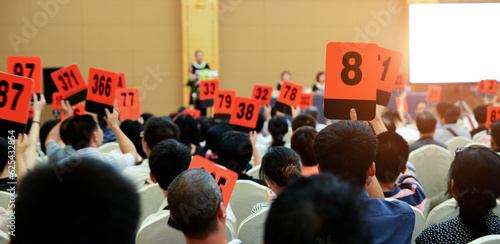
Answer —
251 230
254 172
449 210
108 147
4 238
4 199
245 195
489 239
151 199
456 142
478 135
419 221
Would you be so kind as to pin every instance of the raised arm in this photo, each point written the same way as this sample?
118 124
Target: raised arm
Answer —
257 159
34 133
126 145
377 123
53 135
21 146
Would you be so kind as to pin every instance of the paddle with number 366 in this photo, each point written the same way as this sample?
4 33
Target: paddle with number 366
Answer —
70 83
15 97
245 114
101 90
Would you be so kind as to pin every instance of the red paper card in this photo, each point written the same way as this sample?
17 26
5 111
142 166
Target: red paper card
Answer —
30 67
128 103
15 96
70 83
245 114
306 100
225 178
405 102
224 102
262 93
289 97
121 81
433 94
490 87
351 75
56 101
78 109
207 91
101 90
492 115
389 62
399 84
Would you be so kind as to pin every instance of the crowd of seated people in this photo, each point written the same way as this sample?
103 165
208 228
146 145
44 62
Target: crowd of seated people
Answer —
324 184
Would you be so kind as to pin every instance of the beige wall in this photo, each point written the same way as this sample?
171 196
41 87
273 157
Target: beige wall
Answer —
131 36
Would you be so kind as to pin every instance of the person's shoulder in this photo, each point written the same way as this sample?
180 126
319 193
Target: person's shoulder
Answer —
235 241
155 218
387 207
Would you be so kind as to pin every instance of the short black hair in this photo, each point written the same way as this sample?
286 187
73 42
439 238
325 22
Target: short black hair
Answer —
194 198
44 132
132 129
168 159
451 115
86 200
235 150
260 122
389 124
146 117
392 155
442 107
313 111
480 113
426 122
278 127
79 130
281 165
158 129
346 149
303 120
205 125
188 128
213 135
63 132
495 132
302 143
317 209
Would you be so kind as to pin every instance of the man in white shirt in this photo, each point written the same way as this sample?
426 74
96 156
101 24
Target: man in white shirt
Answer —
449 128
155 130
85 136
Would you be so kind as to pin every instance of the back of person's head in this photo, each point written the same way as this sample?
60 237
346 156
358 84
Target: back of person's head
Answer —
168 159
426 122
475 172
313 111
146 116
44 132
278 127
260 122
393 115
158 129
188 128
281 165
234 150
4 156
102 122
318 75
442 107
213 135
480 113
85 199
302 143
132 129
346 149
204 125
392 155
62 131
196 190
317 209
451 115
79 130
389 124
303 120
495 132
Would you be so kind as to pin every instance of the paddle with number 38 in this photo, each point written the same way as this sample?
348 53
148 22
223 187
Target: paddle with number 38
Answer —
245 114
70 83
101 90
492 115
15 97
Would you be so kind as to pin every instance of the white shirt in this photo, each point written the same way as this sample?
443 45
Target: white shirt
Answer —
139 174
408 134
118 160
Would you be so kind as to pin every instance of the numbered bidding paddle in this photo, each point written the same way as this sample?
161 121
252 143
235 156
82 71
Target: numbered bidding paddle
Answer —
30 67
121 81
245 114
101 90
399 84
490 88
480 88
15 97
262 93
78 109
225 178
128 103
70 83
351 76
56 101
306 100
207 91
492 115
223 106
433 94
289 97
405 102
389 62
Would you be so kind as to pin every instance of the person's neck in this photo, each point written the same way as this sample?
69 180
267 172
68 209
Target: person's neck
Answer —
481 125
387 186
218 237
399 124
430 134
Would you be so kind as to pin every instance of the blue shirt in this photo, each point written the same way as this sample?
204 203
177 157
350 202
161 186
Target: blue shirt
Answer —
390 221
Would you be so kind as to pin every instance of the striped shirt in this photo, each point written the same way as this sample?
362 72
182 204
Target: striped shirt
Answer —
410 191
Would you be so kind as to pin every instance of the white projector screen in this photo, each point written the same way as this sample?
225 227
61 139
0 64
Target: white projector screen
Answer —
454 42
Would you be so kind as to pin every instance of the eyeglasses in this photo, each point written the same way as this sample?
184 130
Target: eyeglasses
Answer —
142 134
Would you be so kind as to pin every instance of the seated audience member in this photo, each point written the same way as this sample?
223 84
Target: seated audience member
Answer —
90 203
212 139
133 129
313 111
318 209
347 149
189 134
278 127
204 125
407 133
108 134
302 143
203 223
44 132
235 151
449 127
480 115
303 120
279 166
319 87
426 124
475 184
392 172
495 136
262 142
144 118
155 130
85 136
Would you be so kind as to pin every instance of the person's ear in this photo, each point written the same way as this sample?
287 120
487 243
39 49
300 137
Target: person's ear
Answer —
454 190
145 147
442 121
153 179
221 211
405 169
95 137
371 170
